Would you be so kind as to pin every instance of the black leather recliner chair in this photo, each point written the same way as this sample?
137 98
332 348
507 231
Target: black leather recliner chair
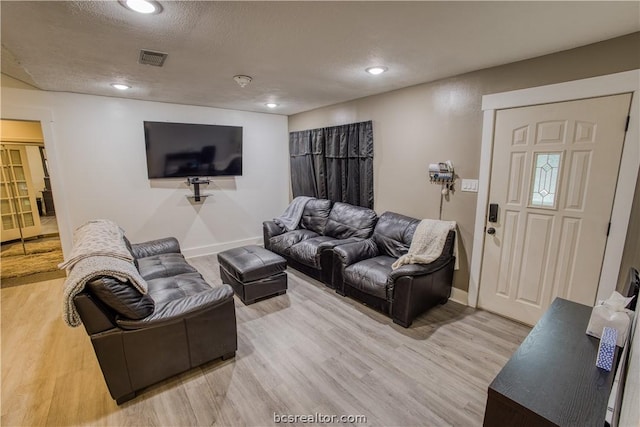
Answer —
363 270
182 322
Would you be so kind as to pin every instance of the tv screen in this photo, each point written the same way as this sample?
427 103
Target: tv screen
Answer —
191 150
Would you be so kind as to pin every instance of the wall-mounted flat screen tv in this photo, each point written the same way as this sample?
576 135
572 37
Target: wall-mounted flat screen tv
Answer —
190 150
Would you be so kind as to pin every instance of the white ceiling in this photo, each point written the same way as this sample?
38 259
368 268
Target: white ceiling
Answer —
301 55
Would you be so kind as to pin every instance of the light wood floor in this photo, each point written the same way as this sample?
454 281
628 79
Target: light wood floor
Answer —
308 351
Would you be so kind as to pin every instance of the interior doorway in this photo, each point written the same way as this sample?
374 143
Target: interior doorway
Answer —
30 238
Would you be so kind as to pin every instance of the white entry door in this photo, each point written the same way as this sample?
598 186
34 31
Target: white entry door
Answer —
553 178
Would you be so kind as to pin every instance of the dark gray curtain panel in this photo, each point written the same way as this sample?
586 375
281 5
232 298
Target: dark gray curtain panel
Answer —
334 163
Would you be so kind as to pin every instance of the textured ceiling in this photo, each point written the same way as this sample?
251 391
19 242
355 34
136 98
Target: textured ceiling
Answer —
301 55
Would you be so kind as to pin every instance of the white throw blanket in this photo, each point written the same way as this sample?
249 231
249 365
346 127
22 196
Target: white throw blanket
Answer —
99 237
90 268
290 219
427 243
98 250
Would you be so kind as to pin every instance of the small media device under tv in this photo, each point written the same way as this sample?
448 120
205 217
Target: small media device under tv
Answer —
179 150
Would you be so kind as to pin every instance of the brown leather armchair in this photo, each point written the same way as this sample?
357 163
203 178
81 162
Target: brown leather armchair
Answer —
182 322
363 270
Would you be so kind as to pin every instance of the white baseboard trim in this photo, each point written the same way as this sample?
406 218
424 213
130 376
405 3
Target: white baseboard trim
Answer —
219 247
459 296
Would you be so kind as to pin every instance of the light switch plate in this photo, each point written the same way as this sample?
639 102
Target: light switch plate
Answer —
470 185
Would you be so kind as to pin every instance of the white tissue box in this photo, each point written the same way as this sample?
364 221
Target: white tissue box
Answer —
612 314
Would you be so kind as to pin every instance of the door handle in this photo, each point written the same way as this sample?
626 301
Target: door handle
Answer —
491 231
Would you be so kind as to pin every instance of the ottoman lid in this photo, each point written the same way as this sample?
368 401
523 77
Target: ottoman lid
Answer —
251 263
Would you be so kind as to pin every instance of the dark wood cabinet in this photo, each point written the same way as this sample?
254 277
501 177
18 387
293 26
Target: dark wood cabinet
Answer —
552 379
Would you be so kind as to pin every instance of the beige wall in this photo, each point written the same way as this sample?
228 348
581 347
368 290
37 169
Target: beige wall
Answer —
442 120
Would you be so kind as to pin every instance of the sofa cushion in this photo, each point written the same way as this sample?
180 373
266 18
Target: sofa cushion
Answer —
282 243
122 297
166 289
346 220
315 215
393 234
187 308
166 245
163 265
370 276
307 251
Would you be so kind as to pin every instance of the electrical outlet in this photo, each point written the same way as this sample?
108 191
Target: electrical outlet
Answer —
470 185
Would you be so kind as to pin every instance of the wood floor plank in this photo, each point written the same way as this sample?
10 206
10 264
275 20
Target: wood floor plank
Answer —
309 350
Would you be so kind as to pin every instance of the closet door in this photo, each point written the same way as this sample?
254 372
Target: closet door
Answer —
17 197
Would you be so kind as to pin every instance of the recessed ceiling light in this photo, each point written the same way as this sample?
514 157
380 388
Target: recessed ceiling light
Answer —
271 105
376 70
142 6
120 86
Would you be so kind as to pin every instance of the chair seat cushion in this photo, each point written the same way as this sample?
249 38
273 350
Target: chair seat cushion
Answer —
282 243
251 263
163 265
370 276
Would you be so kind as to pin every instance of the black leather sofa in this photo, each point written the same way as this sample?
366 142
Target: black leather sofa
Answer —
182 322
363 270
323 226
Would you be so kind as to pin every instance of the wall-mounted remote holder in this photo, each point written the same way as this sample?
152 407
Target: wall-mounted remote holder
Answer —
441 173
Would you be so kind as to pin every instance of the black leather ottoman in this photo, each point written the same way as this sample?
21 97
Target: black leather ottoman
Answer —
253 272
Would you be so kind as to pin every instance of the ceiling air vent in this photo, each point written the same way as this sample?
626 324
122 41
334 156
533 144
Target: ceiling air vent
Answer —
149 57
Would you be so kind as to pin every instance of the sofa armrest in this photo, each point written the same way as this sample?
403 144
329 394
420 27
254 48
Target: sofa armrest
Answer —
155 247
351 253
270 229
413 295
330 244
181 307
420 269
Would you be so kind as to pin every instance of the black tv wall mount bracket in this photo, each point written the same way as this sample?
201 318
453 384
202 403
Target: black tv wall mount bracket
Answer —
196 182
